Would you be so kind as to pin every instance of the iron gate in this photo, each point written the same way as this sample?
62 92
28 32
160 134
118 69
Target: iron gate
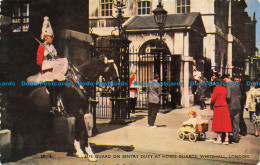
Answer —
143 63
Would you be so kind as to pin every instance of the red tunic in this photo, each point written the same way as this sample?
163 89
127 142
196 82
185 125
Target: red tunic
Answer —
40 58
221 118
40 55
131 82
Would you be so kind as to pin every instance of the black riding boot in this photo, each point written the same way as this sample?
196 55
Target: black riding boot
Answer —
53 97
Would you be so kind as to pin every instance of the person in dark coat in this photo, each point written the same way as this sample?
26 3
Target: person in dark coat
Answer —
154 92
201 92
221 122
234 105
244 88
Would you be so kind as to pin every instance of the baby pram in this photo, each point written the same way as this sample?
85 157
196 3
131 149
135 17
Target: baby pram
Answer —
194 132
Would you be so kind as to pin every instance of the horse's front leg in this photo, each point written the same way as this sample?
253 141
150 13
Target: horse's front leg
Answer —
81 136
88 119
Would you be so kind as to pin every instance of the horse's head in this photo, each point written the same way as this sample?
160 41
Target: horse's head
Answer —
108 70
100 66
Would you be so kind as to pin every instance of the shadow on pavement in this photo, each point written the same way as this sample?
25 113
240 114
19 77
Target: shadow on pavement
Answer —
103 125
101 148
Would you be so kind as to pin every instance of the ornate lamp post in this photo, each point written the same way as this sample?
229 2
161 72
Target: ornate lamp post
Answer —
120 50
160 17
120 5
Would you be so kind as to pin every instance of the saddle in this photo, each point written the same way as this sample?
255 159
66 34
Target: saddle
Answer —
59 68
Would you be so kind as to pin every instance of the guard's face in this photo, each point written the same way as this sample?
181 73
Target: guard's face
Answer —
48 39
236 80
133 74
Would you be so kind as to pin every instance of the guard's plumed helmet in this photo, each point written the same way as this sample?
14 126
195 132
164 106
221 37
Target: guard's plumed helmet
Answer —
46 28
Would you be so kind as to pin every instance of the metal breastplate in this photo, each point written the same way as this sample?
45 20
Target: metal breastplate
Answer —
50 52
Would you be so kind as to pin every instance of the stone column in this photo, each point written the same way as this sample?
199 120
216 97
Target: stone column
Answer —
247 66
187 96
230 43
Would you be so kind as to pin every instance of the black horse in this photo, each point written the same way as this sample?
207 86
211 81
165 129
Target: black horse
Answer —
35 103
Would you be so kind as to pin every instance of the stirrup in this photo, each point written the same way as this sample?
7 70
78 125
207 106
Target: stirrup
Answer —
54 110
60 107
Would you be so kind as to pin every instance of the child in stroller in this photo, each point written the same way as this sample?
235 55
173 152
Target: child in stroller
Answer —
193 128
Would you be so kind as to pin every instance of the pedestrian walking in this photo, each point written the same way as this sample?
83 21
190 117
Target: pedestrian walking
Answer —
252 98
201 92
244 89
221 122
234 105
154 92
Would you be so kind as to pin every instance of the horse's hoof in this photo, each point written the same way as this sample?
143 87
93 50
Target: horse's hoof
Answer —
80 155
92 159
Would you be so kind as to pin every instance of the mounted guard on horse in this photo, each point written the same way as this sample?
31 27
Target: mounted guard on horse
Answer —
56 69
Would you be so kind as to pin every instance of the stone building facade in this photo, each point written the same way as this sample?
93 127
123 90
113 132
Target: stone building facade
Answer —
227 40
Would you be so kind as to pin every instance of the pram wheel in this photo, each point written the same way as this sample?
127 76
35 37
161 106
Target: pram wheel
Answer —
192 137
181 135
203 135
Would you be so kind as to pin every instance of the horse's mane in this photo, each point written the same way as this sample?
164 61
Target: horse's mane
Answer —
89 68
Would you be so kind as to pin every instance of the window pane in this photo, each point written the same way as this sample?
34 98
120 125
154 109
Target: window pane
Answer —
25 9
16 11
110 6
26 20
148 4
102 6
106 12
182 9
139 11
148 11
16 20
25 27
178 9
106 1
139 4
102 1
143 11
178 2
103 13
188 2
143 4
188 9
107 6
183 2
17 28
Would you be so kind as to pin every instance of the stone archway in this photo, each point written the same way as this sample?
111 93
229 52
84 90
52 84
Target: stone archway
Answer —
150 44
